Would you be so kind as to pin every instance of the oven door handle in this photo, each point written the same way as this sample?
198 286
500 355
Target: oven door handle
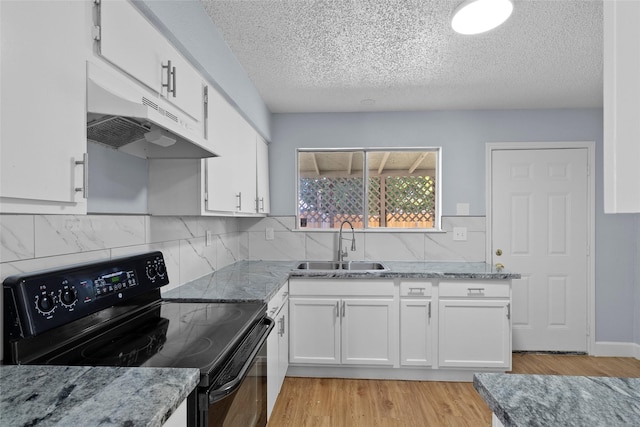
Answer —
218 392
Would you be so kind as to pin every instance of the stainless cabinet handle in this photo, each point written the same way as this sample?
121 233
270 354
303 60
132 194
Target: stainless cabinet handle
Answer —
239 197
174 74
419 291
475 291
337 308
343 309
261 204
429 310
85 176
281 326
273 311
509 311
171 79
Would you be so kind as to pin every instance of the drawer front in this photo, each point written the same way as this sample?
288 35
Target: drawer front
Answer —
475 289
341 287
415 289
278 300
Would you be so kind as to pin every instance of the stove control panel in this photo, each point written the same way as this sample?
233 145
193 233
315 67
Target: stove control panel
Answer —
40 301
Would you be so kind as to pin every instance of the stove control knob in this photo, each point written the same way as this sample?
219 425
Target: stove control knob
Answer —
161 269
68 297
45 303
152 272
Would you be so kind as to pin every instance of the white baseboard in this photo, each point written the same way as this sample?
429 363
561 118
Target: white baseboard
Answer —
616 349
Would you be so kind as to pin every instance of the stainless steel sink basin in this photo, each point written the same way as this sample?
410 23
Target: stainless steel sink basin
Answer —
344 265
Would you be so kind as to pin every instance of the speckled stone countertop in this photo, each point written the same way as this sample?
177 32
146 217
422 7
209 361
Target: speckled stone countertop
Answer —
91 396
548 400
260 280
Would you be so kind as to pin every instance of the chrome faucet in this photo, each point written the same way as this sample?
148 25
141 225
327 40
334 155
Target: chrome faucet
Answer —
342 254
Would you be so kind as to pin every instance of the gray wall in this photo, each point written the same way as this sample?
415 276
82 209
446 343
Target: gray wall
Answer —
462 135
187 25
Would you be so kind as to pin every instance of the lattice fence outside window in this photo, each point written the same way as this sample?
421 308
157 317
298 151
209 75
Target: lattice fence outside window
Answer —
326 202
403 202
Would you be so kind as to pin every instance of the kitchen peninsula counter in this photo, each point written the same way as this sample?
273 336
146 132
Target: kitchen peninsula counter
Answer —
548 400
82 395
261 280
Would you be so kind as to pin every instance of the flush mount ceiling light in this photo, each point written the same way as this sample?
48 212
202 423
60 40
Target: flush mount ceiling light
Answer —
478 16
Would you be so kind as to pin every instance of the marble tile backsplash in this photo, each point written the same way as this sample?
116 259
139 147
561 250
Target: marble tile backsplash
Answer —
289 243
34 242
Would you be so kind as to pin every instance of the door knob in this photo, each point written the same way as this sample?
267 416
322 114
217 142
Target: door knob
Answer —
499 266
498 252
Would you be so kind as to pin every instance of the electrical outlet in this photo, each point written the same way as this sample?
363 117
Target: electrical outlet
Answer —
208 238
269 234
460 233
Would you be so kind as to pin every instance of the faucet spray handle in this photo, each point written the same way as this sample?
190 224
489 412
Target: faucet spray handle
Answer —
353 244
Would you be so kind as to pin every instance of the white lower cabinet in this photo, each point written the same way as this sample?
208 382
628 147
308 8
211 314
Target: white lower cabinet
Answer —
357 325
406 329
416 324
474 325
277 346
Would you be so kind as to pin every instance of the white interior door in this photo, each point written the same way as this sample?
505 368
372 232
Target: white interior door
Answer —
539 224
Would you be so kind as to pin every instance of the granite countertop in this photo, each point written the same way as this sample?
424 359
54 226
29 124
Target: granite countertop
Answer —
82 396
260 280
548 400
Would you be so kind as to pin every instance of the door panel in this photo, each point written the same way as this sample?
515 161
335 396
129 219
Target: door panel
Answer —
539 221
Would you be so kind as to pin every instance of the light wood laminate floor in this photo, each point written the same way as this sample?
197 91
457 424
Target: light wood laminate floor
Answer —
319 402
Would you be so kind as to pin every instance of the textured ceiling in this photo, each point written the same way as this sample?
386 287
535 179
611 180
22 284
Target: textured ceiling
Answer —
398 55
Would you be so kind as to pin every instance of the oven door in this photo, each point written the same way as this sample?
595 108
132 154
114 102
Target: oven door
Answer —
238 396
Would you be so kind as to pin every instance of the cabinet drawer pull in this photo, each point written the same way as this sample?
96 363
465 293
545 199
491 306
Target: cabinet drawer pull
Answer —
476 291
419 291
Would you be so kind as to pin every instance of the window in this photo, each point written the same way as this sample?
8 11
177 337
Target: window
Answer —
400 187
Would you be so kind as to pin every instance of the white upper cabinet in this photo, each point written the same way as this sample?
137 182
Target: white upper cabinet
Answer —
129 41
234 184
621 106
263 205
45 46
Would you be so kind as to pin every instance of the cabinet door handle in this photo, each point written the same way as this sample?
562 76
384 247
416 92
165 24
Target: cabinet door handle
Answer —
429 313
337 308
509 311
419 291
281 326
239 197
343 309
85 175
476 291
173 81
261 204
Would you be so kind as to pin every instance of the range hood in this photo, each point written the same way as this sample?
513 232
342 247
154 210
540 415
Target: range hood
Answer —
126 116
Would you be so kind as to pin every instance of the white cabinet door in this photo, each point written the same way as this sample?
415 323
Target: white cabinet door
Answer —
368 329
129 41
262 176
315 331
621 106
474 333
415 332
283 344
230 178
45 46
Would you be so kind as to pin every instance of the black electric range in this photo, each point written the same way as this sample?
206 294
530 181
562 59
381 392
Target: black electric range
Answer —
110 313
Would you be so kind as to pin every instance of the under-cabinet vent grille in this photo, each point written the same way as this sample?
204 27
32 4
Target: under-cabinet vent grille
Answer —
146 101
115 131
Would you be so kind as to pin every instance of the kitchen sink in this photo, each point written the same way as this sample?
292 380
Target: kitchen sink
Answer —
344 265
